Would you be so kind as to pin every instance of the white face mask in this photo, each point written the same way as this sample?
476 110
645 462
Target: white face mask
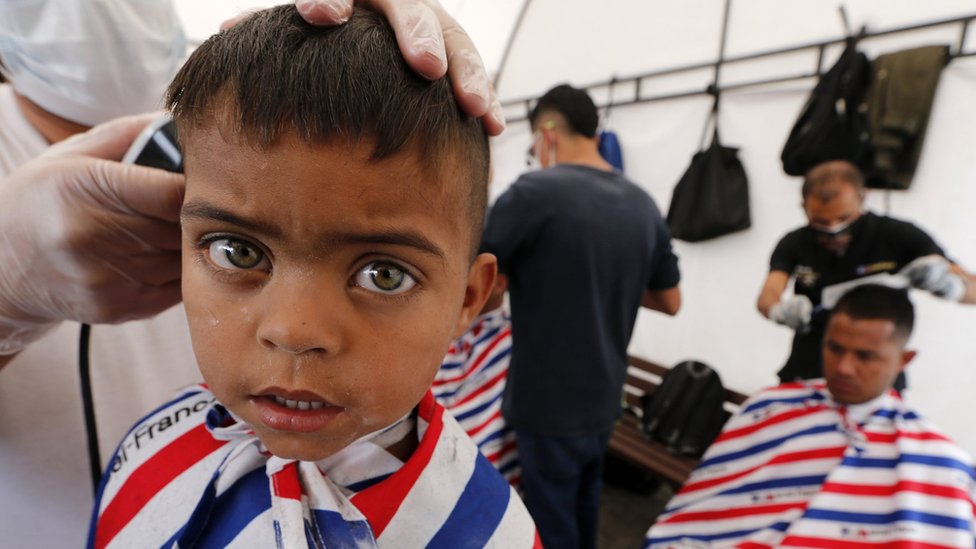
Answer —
89 61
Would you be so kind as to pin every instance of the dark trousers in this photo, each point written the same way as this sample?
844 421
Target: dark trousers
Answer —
561 478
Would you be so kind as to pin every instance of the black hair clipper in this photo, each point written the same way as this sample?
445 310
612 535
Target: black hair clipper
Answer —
157 147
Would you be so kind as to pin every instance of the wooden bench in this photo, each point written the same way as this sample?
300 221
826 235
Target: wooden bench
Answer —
628 442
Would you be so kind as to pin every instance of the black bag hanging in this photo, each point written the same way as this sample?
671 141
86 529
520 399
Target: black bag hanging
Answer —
833 124
712 197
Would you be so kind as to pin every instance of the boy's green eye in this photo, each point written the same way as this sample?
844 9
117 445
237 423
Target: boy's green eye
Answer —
229 253
385 277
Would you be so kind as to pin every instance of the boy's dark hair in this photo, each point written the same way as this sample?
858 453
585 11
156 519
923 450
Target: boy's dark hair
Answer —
574 104
877 302
273 74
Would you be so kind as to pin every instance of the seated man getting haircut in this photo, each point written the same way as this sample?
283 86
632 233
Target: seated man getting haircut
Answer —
834 462
333 210
471 381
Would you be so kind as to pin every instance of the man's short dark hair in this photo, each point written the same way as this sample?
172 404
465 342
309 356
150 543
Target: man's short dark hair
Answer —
877 302
273 74
817 178
575 105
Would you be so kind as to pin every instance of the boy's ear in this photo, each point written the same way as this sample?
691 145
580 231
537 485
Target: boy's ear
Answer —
481 279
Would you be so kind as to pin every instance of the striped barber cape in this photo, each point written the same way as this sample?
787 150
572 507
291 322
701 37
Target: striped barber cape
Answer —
470 384
795 469
190 474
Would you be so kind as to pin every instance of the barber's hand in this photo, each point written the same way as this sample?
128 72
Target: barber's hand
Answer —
432 43
933 273
85 238
794 312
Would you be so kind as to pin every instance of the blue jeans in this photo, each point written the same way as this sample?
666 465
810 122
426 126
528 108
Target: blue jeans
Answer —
561 480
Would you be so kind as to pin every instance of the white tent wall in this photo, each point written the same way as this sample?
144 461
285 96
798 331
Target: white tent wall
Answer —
582 42
570 41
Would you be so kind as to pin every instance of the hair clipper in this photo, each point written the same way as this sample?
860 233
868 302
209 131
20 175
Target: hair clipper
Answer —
157 147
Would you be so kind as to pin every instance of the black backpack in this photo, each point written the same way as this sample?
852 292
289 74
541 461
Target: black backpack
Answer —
686 412
833 124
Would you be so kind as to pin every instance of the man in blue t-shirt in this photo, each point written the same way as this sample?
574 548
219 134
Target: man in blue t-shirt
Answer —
583 248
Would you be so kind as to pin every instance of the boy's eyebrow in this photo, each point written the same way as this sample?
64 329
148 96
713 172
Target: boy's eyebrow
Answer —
397 238
202 210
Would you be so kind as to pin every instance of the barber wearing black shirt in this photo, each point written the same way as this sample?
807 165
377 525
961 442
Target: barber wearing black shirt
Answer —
842 243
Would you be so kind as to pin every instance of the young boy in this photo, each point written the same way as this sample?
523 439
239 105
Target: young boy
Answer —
333 210
471 381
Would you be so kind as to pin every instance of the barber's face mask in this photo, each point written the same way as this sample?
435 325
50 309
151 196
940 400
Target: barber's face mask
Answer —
91 60
835 238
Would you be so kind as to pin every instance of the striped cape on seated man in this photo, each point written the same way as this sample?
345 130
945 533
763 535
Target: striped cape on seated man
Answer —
836 462
470 385
191 475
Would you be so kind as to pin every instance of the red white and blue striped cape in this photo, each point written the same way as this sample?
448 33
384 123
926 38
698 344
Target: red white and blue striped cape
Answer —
189 474
470 384
795 469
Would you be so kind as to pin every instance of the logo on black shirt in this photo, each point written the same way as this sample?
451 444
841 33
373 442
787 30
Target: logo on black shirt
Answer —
878 267
806 276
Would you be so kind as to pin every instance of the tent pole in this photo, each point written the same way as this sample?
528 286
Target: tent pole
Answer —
508 45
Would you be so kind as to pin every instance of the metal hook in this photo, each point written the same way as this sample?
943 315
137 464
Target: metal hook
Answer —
844 20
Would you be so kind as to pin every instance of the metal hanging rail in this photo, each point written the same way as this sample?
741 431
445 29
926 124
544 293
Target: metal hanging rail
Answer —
712 89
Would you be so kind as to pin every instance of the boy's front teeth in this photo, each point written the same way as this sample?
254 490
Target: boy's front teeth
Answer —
299 404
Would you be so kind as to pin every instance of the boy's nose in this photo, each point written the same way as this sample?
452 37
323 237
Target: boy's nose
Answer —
297 318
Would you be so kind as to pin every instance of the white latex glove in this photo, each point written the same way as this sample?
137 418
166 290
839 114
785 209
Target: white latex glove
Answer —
794 312
432 43
85 238
933 273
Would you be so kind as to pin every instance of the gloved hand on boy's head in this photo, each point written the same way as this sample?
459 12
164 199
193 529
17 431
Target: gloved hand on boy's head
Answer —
432 43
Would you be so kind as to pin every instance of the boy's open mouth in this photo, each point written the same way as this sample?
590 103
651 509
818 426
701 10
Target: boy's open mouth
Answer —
299 404
296 411
294 399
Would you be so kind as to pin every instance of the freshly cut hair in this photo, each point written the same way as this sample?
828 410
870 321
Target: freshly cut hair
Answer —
274 74
877 302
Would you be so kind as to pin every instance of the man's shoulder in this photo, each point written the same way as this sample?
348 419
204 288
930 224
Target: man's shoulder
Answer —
796 236
891 224
579 182
562 173
548 181
784 397
920 436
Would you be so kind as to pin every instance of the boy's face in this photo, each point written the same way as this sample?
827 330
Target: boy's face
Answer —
322 291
